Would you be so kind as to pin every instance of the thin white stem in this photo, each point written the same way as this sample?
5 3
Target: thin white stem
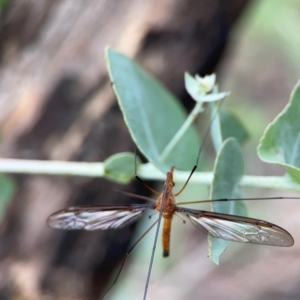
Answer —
51 167
146 172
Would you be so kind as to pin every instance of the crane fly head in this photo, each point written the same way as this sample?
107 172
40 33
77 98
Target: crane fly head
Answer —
170 182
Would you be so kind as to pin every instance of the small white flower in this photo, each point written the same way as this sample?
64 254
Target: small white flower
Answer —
198 87
206 83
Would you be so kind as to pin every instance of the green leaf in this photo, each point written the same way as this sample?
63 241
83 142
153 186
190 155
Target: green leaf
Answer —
231 126
7 191
215 130
3 5
120 167
228 171
280 143
226 125
152 114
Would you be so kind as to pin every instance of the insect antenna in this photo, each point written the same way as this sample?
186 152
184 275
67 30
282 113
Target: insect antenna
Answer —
134 195
126 256
201 147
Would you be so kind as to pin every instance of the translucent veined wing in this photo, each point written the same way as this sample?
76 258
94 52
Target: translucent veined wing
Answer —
96 217
239 229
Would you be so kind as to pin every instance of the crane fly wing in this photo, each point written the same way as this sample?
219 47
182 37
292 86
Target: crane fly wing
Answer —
239 229
96 217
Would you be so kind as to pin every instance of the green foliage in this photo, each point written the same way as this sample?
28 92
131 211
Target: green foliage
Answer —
3 5
120 167
153 115
215 130
226 125
232 127
7 191
228 171
280 143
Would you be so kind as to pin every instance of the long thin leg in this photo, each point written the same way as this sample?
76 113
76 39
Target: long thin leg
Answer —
156 236
126 256
236 199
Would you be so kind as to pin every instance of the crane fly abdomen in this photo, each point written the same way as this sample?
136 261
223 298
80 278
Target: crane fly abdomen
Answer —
166 235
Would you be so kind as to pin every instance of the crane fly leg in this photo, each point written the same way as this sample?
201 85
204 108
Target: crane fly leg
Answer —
126 256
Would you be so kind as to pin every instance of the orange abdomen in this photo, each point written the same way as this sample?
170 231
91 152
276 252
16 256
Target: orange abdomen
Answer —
166 235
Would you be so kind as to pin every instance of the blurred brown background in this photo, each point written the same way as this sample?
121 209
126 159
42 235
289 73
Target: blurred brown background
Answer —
56 104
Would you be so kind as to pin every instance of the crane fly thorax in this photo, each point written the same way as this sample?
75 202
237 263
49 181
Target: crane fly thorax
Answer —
169 201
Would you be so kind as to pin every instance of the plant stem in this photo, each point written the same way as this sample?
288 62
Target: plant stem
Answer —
177 137
146 172
51 167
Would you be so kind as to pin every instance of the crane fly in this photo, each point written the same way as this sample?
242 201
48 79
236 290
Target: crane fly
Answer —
228 227
224 226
